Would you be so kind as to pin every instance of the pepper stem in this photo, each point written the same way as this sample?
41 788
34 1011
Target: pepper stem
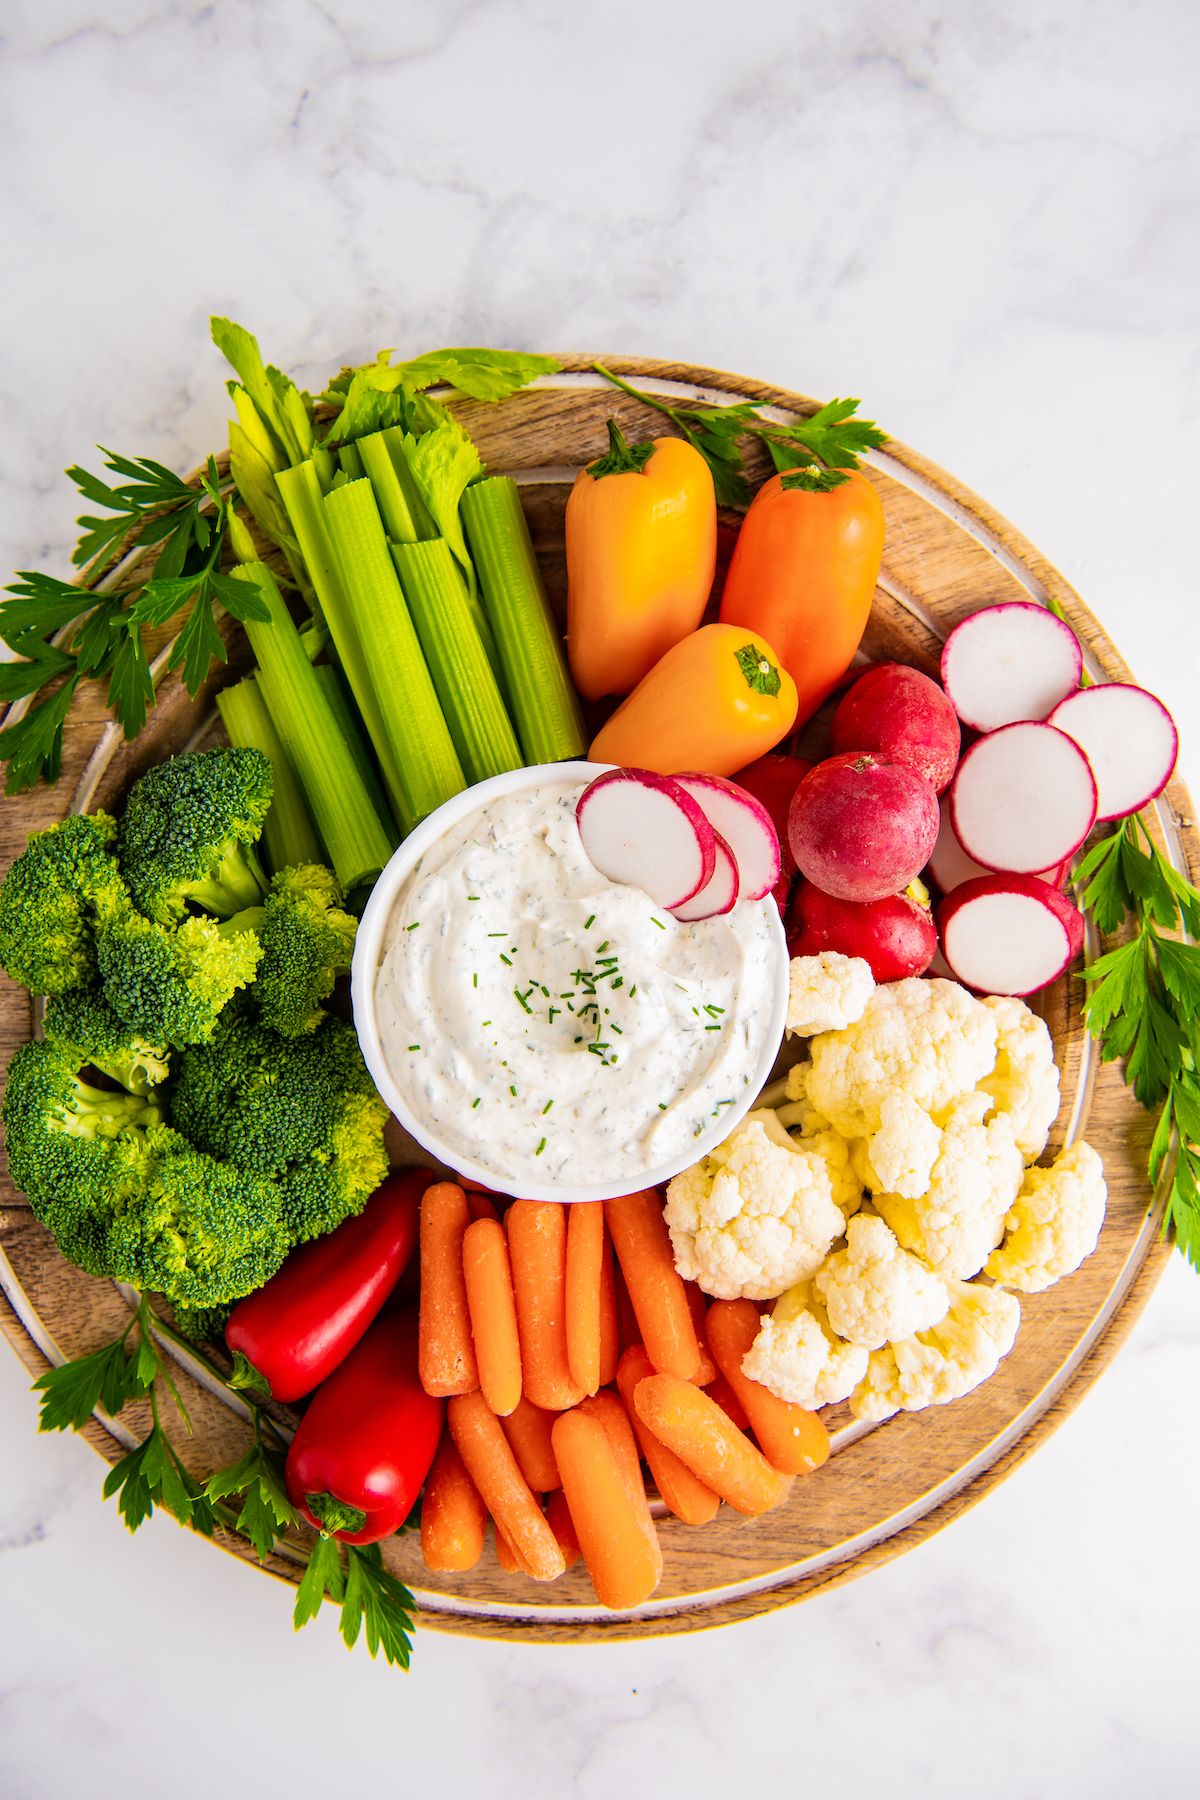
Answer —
333 1514
622 458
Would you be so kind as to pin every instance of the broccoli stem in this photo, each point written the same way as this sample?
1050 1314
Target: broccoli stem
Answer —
100 1113
236 882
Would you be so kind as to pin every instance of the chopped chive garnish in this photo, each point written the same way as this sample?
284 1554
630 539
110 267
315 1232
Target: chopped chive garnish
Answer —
657 922
474 981
696 1010
603 947
486 1022
540 1148
721 1103
475 1102
619 982
547 1107
579 1040
662 1106
506 959
513 1092
553 1010
521 998
681 987
632 991
588 923
414 1046
712 1028
497 934
413 926
545 990
472 896
618 1030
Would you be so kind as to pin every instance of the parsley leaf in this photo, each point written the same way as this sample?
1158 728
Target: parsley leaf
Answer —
108 1378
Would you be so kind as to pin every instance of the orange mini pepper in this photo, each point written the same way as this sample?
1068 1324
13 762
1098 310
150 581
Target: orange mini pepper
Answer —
803 573
641 551
713 703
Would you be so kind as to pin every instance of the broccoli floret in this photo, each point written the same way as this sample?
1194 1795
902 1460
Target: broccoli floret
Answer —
189 832
300 1111
307 942
173 983
90 1032
204 1324
65 879
129 1198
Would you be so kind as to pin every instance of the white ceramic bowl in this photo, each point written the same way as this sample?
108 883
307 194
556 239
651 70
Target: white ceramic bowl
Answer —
368 954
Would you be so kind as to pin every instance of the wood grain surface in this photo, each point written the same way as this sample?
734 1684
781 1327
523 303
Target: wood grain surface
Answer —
886 1488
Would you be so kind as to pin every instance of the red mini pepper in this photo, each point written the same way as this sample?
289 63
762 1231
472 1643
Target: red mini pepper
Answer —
365 1444
296 1329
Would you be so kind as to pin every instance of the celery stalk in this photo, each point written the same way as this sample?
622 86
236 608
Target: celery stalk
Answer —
342 707
542 697
289 835
412 718
302 495
437 599
354 835
405 516
351 461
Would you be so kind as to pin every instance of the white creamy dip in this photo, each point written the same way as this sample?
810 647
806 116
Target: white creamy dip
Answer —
544 1022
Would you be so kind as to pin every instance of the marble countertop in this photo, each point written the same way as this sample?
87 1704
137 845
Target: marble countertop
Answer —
982 219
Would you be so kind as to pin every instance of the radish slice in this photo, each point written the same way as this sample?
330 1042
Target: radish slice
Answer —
644 830
1130 740
1009 662
746 826
1023 799
950 865
718 895
1008 934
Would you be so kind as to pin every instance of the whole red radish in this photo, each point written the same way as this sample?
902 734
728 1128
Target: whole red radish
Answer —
862 827
773 779
1008 934
902 715
895 935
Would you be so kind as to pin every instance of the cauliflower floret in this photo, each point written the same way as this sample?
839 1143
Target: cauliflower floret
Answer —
1054 1223
928 1038
903 1151
1024 1082
944 1362
976 1179
798 1357
828 991
755 1217
844 1184
875 1291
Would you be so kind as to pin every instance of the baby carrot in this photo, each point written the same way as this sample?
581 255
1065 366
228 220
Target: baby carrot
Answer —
445 1353
585 1252
616 1550
609 1408
720 1391
558 1518
527 1429
453 1516
493 1311
502 1488
691 1424
479 1206
627 1325
697 1301
643 1245
537 1244
684 1493
609 1343
509 1558
792 1440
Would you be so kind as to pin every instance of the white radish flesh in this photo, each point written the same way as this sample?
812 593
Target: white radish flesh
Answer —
1023 799
746 826
1008 934
642 829
1130 740
1009 662
718 895
949 865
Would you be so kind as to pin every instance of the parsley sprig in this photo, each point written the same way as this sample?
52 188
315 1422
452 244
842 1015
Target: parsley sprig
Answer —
249 1497
189 524
1145 1004
821 450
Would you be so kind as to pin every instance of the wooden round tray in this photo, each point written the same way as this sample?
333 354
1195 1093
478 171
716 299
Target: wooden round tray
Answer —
886 1487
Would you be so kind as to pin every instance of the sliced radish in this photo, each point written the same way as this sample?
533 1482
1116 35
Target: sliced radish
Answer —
745 824
1130 740
644 830
1008 934
1023 799
949 864
1009 662
720 894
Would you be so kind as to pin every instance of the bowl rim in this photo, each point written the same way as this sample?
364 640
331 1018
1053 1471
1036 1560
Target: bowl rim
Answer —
365 966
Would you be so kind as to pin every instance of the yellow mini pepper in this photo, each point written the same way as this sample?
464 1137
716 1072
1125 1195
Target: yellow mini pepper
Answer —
716 701
641 551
